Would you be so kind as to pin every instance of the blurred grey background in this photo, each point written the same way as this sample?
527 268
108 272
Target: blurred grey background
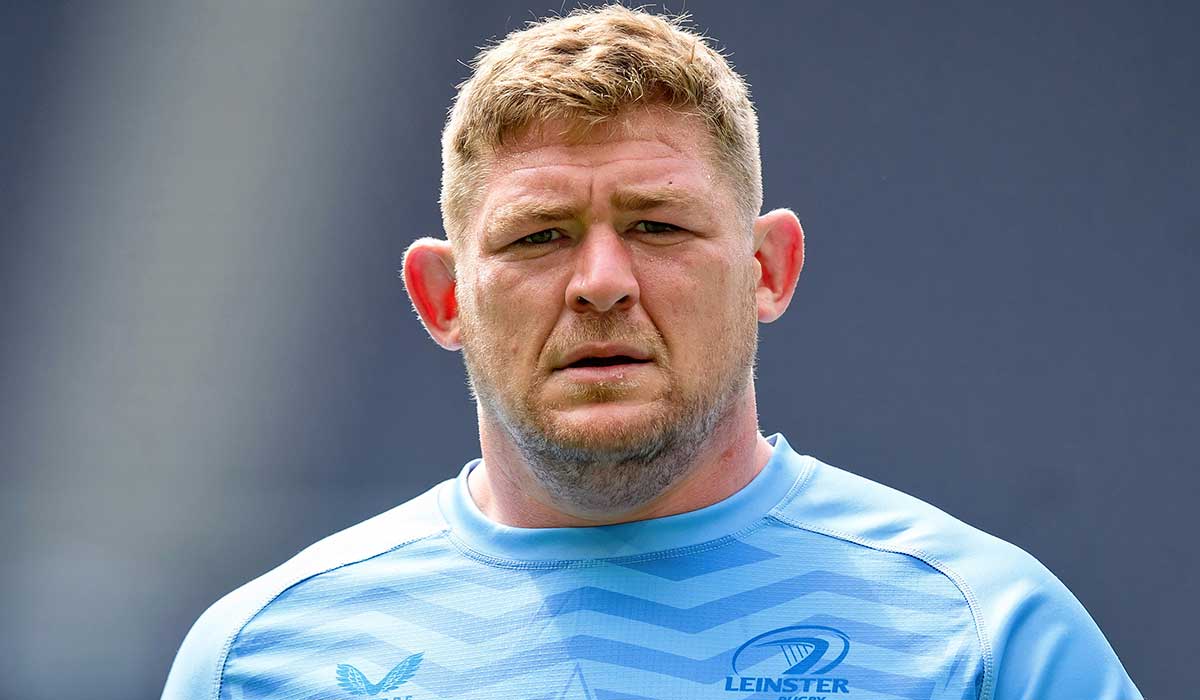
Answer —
208 360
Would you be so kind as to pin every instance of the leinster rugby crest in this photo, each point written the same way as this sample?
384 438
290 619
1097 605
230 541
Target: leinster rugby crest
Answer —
796 659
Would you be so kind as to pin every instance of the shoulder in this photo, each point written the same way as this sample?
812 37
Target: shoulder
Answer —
1036 639
851 507
196 672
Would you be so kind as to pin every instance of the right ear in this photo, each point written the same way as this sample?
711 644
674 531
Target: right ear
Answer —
430 282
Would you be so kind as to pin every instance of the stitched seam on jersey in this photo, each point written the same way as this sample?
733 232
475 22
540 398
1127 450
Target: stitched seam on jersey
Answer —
224 658
518 564
797 486
972 603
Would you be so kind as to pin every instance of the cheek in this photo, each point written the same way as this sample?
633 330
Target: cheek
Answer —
698 305
678 298
512 308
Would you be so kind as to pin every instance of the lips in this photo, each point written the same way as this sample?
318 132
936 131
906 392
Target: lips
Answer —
603 355
605 361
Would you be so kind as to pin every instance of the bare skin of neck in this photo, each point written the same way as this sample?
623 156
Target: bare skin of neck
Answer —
505 490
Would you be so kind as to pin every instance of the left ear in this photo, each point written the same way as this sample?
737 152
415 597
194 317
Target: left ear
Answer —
779 252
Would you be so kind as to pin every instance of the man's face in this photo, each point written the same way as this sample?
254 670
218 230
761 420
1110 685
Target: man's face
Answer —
606 285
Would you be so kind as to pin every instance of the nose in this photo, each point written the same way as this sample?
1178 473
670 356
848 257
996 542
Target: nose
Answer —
603 279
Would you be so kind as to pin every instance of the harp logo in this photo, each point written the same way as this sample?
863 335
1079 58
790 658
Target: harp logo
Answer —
355 682
792 659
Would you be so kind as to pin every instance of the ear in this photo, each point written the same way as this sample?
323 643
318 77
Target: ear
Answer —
779 251
430 281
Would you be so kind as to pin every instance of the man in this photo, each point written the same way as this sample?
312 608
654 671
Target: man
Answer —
628 532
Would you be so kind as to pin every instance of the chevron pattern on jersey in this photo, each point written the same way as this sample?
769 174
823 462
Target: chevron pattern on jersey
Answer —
735 554
672 625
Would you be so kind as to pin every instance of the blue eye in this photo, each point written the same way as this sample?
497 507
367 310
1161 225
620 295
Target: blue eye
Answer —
550 234
655 227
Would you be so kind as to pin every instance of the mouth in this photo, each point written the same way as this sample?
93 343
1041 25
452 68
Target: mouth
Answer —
604 369
610 361
603 362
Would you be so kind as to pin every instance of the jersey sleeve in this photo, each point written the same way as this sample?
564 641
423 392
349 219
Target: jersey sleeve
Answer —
1046 644
198 668
196 672
1038 641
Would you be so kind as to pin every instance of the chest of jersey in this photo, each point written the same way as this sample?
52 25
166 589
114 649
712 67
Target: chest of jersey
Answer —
775 613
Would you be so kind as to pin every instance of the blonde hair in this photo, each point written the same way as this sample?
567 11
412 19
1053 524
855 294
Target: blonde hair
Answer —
587 67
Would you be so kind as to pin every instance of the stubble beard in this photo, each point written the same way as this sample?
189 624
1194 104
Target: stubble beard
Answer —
632 464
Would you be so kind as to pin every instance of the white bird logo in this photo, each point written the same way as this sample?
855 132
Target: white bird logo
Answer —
354 682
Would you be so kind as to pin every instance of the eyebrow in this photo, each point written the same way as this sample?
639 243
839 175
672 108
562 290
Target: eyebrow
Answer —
509 215
526 211
642 199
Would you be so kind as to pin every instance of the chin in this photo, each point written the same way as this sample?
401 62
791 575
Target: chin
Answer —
607 427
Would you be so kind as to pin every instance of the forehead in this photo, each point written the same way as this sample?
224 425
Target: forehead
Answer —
574 164
656 129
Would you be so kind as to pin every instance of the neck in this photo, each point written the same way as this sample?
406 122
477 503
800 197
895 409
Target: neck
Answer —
506 491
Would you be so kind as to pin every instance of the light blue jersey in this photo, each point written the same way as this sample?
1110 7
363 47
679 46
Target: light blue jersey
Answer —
810 583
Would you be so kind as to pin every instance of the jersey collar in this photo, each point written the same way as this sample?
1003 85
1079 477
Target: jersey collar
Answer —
473 530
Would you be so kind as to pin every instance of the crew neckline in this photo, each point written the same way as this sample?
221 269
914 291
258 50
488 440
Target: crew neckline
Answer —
471 528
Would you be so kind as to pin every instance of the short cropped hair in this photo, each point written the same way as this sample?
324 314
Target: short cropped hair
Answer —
586 68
